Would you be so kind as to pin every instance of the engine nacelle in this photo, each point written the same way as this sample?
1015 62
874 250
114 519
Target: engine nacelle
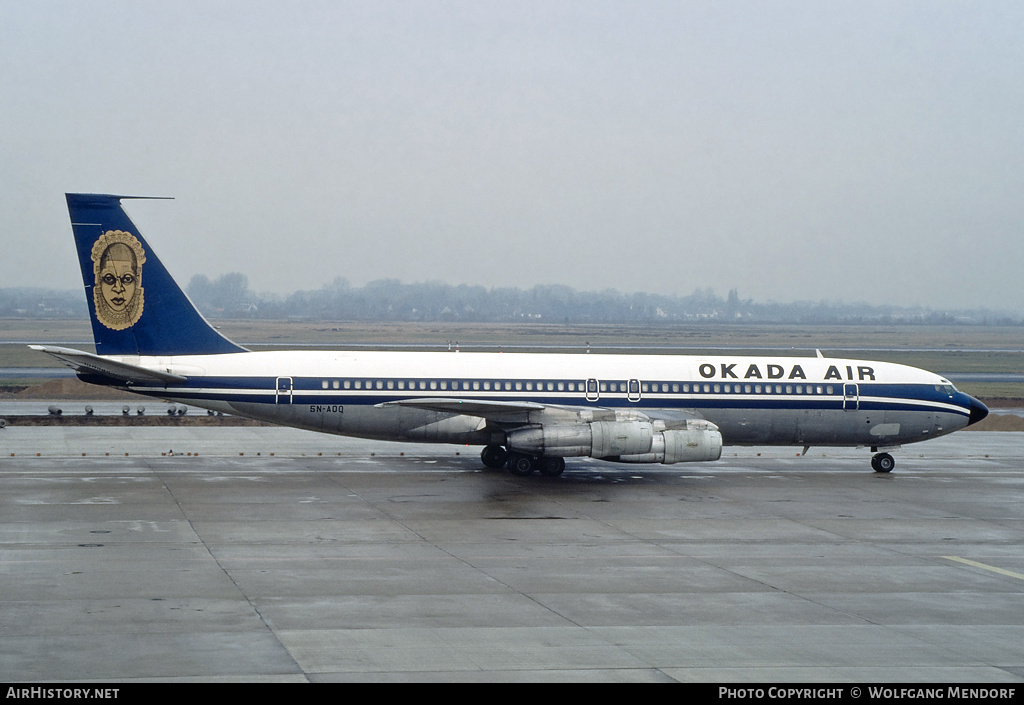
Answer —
626 441
597 439
696 444
563 441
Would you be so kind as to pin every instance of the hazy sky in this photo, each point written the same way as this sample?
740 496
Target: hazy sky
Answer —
855 151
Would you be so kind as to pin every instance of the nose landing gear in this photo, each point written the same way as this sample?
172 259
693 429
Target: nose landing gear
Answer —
883 462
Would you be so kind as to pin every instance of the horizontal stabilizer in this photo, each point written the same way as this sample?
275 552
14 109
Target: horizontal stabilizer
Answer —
89 364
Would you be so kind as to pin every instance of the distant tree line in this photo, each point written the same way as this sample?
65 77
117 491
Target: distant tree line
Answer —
30 302
229 296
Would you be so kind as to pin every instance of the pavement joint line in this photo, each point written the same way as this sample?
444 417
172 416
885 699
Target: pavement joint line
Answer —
983 566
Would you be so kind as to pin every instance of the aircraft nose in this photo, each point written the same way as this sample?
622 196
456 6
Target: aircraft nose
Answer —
978 411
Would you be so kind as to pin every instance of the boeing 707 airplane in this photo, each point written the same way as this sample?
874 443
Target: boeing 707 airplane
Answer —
528 411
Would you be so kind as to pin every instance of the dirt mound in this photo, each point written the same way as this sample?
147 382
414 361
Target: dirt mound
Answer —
1004 403
71 388
131 420
999 422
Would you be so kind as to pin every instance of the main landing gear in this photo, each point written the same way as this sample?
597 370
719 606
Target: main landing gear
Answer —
494 456
883 462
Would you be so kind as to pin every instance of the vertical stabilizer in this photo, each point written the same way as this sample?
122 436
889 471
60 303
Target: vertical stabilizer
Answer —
136 307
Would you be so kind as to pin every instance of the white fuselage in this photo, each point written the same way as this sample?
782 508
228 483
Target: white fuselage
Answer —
753 400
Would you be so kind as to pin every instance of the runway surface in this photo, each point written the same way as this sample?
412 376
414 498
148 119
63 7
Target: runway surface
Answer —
279 555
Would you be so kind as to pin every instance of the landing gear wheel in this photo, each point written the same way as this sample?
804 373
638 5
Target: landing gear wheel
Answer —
521 465
552 467
883 462
494 456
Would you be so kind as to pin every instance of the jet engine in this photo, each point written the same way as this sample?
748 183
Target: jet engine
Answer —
625 441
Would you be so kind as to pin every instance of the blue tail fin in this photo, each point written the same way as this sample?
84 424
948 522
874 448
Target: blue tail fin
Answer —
135 305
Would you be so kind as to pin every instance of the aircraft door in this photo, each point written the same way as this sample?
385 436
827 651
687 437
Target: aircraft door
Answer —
633 390
851 397
592 393
284 390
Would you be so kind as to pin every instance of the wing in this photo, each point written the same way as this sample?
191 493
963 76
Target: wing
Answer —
674 415
510 414
500 412
628 435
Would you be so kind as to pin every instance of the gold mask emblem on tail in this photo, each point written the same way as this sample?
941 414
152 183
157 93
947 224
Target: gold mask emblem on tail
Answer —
117 259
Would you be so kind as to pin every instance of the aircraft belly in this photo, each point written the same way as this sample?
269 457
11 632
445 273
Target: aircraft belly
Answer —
388 423
830 427
743 426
